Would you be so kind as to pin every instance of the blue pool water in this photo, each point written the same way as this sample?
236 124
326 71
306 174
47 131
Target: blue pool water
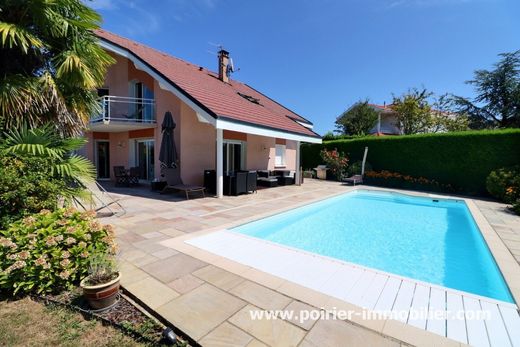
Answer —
416 237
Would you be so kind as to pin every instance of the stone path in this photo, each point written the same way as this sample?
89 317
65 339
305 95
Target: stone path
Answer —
213 305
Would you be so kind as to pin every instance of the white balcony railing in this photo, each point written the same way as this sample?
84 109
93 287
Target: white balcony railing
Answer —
125 109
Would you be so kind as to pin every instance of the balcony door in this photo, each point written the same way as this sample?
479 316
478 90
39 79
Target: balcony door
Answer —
145 159
102 159
143 107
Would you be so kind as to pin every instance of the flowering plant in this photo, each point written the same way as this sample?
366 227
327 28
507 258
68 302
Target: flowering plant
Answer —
336 162
395 179
49 251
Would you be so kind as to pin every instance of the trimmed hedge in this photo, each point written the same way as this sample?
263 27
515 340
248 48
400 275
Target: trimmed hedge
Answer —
461 159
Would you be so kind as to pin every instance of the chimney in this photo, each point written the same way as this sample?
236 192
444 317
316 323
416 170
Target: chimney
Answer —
223 61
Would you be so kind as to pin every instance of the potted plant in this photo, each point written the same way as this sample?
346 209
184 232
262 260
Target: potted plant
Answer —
101 286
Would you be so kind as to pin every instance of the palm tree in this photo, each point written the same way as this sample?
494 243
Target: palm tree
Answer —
50 64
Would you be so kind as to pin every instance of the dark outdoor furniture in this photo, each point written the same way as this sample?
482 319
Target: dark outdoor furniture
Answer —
174 181
356 179
121 175
133 175
275 178
251 181
285 177
158 185
210 181
235 183
268 181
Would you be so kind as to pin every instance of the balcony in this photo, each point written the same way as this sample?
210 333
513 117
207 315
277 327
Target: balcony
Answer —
121 113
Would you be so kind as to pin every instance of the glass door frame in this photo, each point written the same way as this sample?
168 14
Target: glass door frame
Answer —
227 164
150 154
96 159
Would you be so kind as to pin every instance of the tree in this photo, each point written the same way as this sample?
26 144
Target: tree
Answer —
357 120
444 119
497 103
413 112
50 63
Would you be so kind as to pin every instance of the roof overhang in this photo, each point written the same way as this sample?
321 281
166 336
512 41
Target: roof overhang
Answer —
227 124
203 114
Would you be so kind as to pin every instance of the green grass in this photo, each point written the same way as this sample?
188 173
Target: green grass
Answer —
28 323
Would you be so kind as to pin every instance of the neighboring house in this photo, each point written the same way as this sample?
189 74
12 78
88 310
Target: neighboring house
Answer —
211 111
387 122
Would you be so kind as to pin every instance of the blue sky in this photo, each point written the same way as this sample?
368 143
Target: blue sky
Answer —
318 57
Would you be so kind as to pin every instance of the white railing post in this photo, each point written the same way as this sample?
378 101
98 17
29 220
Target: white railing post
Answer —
108 107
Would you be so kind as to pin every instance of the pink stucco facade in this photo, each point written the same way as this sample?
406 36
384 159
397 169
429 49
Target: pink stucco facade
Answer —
195 140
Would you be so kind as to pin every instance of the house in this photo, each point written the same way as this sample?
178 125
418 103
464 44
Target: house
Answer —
221 123
386 123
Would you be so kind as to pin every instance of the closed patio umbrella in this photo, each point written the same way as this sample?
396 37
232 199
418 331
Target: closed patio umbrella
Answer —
168 153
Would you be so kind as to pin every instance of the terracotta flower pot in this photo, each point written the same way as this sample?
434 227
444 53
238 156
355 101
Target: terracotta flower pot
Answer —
103 295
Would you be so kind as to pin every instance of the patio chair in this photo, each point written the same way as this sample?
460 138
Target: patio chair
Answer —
133 176
121 175
251 181
174 181
356 179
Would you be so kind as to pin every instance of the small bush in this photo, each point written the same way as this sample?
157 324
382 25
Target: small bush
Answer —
355 168
516 207
49 251
26 187
504 184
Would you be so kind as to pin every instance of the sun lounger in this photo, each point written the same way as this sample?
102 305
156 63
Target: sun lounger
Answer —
174 181
356 179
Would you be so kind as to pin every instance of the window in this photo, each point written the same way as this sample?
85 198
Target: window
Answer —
280 155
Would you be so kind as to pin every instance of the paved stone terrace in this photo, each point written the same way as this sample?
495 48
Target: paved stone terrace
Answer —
212 305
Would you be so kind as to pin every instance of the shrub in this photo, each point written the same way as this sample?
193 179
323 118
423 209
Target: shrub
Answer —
355 169
397 180
336 162
504 184
37 168
461 159
516 207
26 187
49 251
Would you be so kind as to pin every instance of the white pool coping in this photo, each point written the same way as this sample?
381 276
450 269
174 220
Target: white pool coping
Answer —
372 289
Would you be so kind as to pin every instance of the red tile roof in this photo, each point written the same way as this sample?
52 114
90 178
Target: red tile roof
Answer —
219 99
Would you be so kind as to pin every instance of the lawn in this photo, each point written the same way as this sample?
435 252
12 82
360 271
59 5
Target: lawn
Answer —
29 323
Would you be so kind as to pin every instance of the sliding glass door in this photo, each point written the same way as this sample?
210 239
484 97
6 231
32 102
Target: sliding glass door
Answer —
102 159
234 156
145 159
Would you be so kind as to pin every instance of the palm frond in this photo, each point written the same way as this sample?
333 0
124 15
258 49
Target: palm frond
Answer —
75 167
13 35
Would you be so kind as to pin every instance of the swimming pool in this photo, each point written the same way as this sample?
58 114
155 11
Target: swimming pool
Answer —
431 240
